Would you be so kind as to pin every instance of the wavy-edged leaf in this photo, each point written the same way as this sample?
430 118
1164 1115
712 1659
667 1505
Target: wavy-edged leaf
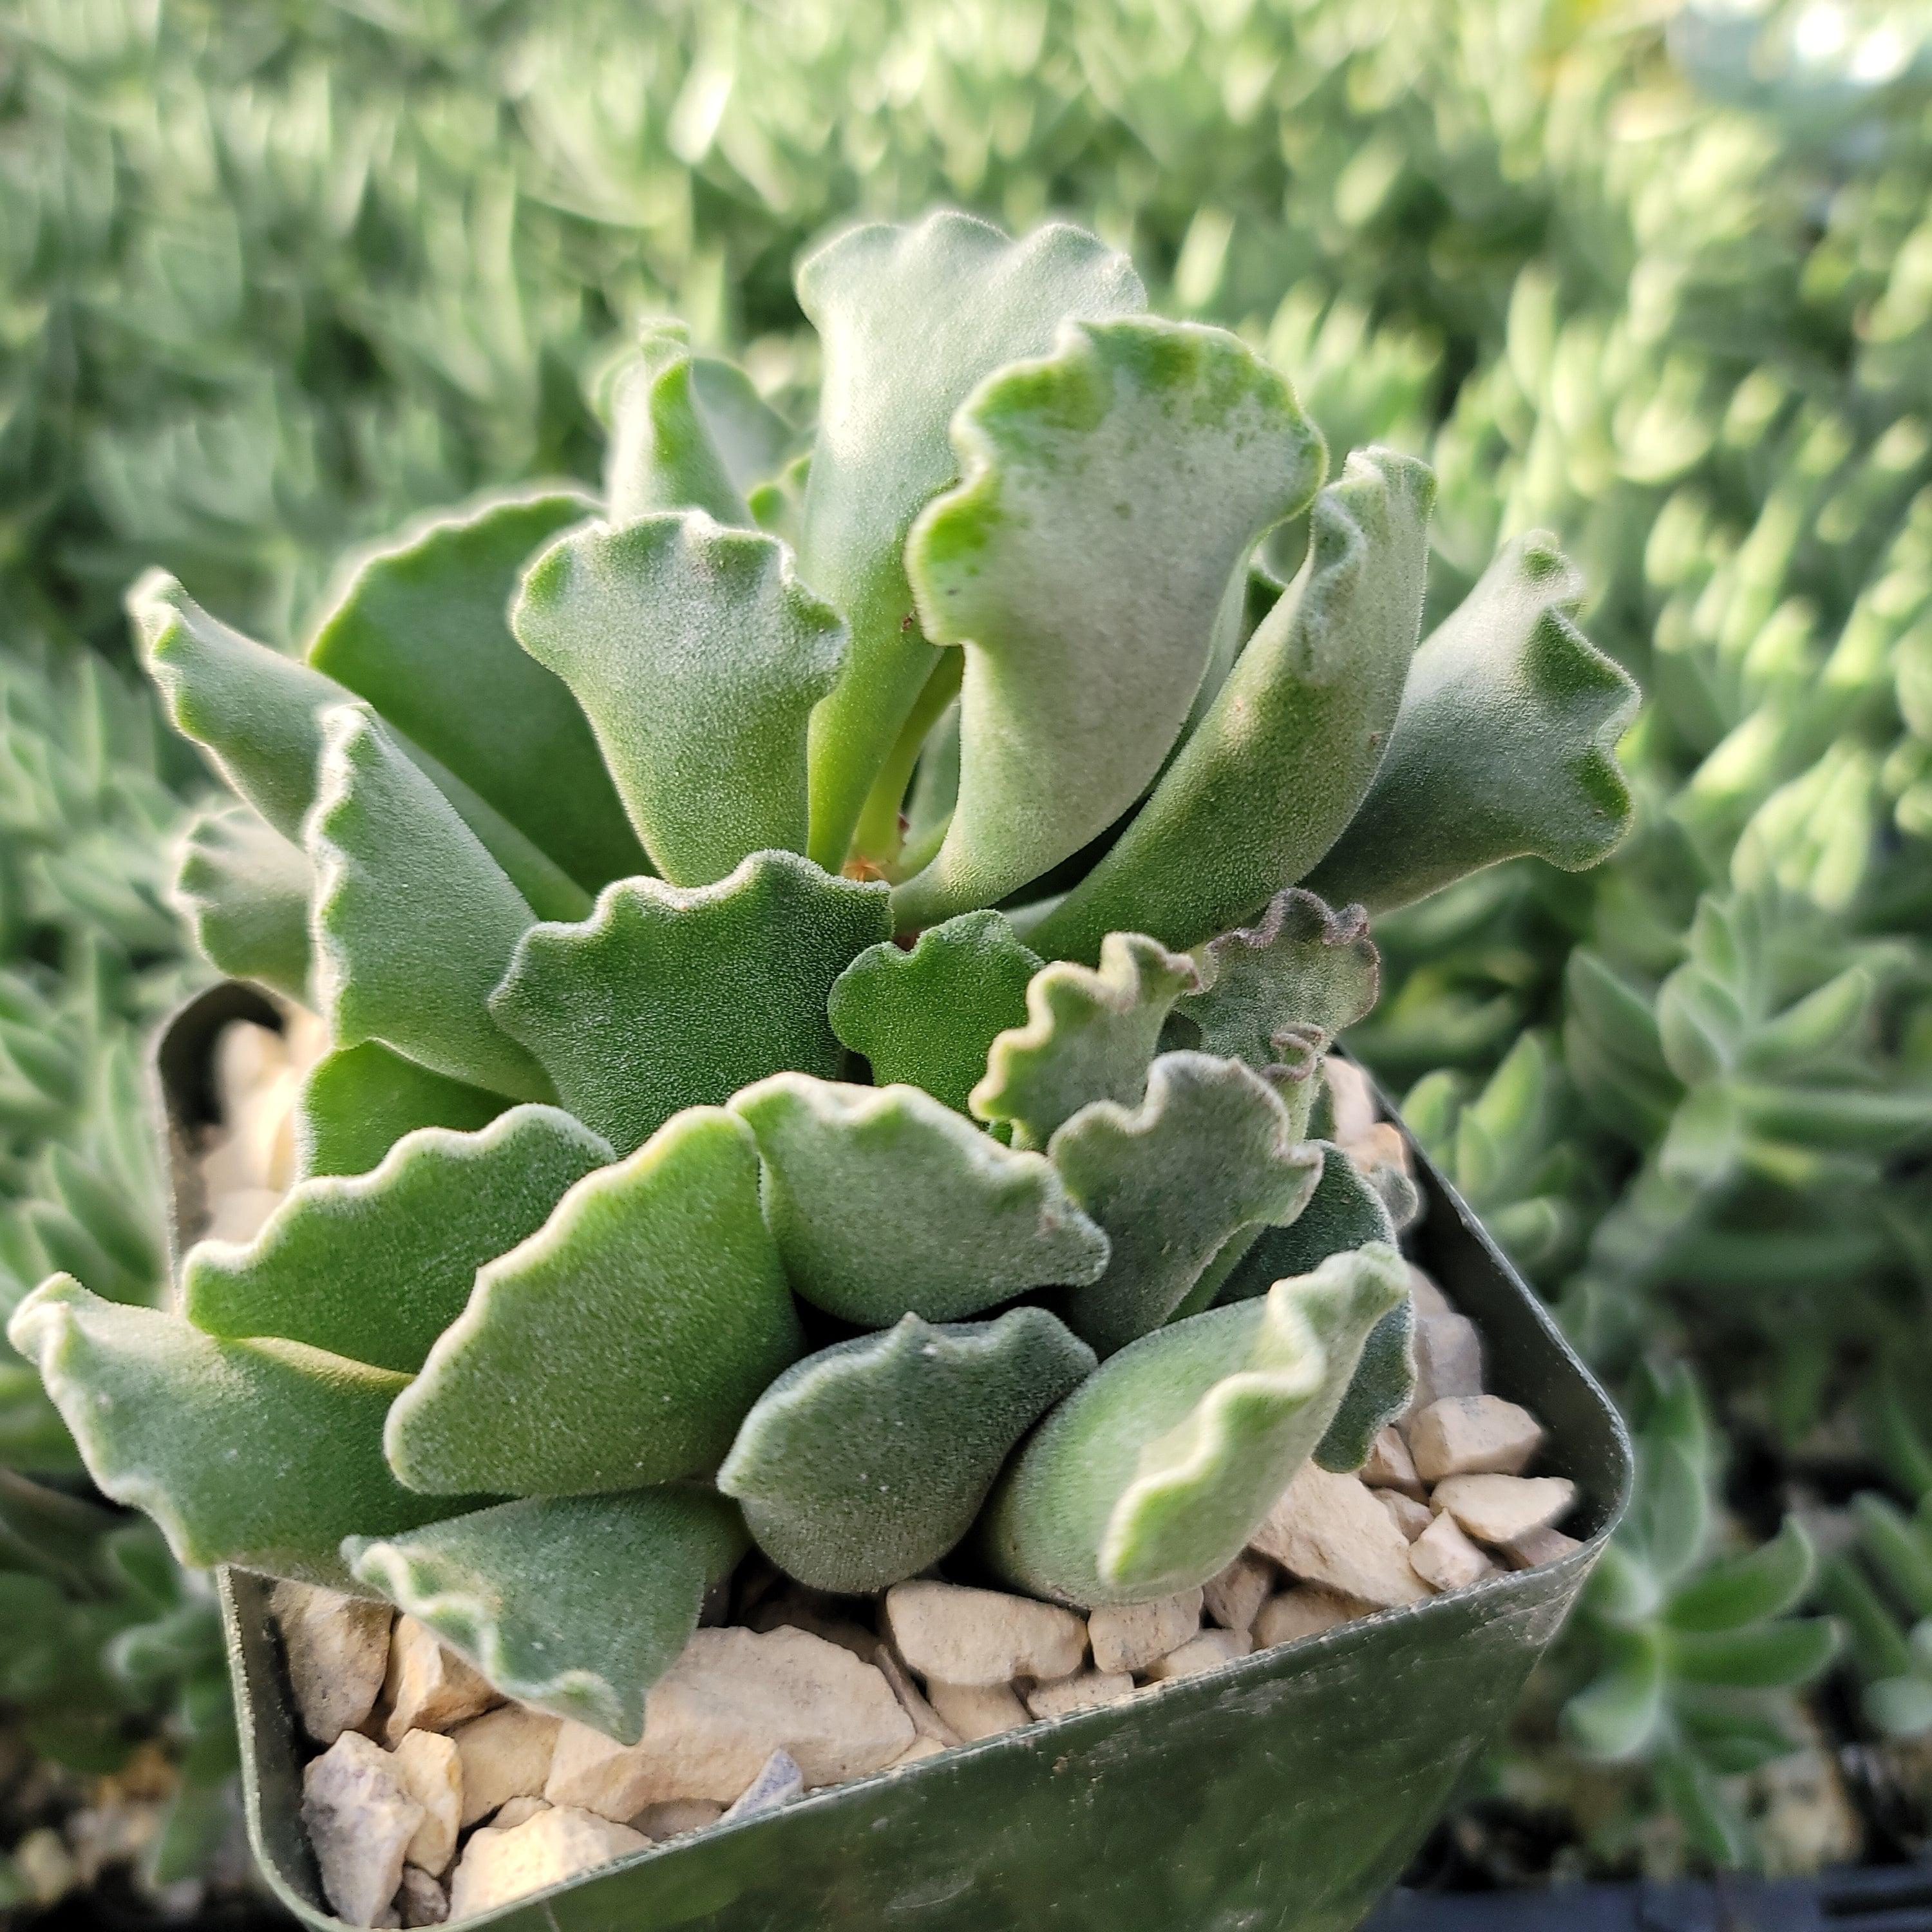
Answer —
697 656
414 922
1112 494
928 1017
668 997
1154 1474
1264 784
622 1344
886 1203
1344 1212
864 1463
1764 1582
262 1454
245 890
420 632
1505 745
1091 1034
357 1102
376 1267
1765 1656
1381 1388
1209 1150
910 319
576 1604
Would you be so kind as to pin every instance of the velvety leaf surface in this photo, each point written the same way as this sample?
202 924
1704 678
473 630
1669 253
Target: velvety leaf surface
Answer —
1154 1474
666 998
909 319
376 1267
1091 1034
358 1102
884 1202
1379 1392
422 633
262 1454
576 1604
1505 745
697 656
1265 783
1111 493
620 1345
414 922
1343 1212
864 1463
244 891
1209 1151
927 1018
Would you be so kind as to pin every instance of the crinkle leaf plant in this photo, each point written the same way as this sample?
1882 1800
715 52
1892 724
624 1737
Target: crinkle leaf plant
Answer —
828 956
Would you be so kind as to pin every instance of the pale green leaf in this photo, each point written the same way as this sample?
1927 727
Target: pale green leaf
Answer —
1765 1582
1343 1212
245 891
357 1102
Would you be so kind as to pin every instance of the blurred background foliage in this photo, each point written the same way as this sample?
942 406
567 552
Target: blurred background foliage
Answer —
276 275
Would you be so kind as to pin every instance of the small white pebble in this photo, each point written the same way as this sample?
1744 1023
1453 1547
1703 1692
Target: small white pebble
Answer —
1304 1611
1208 1651
1129 1636
1409 1516
1085 1691
1235 1597
1471 1436
1445 1559
975 1711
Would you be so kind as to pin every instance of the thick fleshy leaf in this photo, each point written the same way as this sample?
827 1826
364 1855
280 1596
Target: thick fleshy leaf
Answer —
886 1203
1763 1657
697 656
1381 1388
1766 1581
576 1604
245 891
1264 783
667 997
1111 493
1154 1474
1505 745
622 1344
1344 1212
263 1454
910 319
375 1267
358 1102
1625 1707
1091 1034
928 1016
414 922
1209 1151
422 633
864 1463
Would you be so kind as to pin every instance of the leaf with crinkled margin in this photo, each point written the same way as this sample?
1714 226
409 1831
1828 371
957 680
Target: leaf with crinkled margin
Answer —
1091 1034
1154 1474
910 319
622 1344
375 1267
884 1202
697 656
1112 492
357 1102
864 1463
1345 1211
414 923
575 1604
245 891
667 997
1211 1150
421 632
258 715
1285 754
1382 1387
928 1017
262 1454
1505 744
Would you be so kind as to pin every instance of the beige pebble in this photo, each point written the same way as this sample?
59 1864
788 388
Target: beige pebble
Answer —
428 1687
1304 1611
516 1811
919 1749
675 1817
1129 1636
422 1899
337 1648
361 1819
1426 1294
964 1636
555 1845
1445 1559
805 1609
977 1711
1408 1515
1329 1529
1539 1547
44 1865
926 1722
1390 1466
1208 1651
1448 1360
1235 1597
432 1774
1084 1691
506 1754
1499 1509
1473 1435
1350 1098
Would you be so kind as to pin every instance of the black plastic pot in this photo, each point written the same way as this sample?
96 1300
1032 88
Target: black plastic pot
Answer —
1281 1794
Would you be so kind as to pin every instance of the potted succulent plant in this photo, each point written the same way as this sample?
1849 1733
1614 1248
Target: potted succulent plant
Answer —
829 962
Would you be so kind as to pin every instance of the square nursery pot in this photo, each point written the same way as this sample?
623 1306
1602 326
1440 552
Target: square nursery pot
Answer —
1282 1793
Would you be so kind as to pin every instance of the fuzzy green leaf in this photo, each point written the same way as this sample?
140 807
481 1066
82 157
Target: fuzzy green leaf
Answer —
697 656
864 1463
376 1267
262 1454
1765 1583
1091 1034
527 1591
1343 1212
1623 1710
1382 1386
622 1344
1764 1657
1505 745
245 891
358 1102
1112 494
1209 1151
1154 1474
910 319
414 922
884 1203
667 997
